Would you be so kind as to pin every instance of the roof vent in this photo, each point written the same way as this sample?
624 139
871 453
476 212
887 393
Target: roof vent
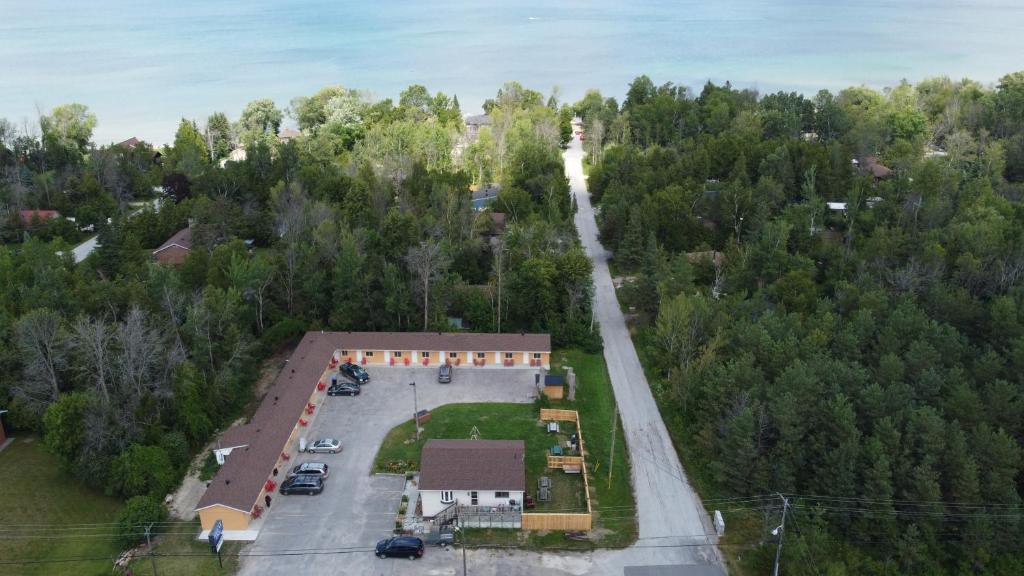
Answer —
227 481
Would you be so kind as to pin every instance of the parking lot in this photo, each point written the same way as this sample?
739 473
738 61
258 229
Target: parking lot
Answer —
333 532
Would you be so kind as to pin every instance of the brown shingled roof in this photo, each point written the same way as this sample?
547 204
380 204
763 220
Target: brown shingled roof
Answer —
182 238
473 465
465 341
240 480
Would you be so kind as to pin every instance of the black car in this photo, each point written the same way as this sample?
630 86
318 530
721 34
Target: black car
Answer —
303 484
444 373
400 547
343 389
354 372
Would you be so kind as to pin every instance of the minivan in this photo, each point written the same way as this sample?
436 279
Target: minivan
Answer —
303 485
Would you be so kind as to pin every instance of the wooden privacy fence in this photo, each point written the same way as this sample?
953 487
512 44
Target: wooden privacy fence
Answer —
542 521
556 414
578 521
561 461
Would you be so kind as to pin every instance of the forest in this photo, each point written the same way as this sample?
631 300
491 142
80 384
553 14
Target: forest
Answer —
829 293
362 219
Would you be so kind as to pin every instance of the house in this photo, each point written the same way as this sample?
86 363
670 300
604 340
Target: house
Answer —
836 206
236 155
497 224
253 452
484 195
287 135
473 125
129 143
876 169
30 217
175 249
471 473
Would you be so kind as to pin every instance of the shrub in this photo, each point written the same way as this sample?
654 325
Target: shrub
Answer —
281 333
176 446
139 512
143 470
209 467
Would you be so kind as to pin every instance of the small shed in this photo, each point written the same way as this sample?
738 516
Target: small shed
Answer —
554 386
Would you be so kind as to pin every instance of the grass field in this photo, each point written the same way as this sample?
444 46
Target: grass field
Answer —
615 523
46 515
180 554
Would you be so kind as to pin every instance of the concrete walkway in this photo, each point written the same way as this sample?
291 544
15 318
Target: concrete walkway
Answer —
669 510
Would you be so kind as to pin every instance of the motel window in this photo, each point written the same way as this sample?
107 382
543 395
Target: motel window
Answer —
397 354
453 354
425 354
344 352
536 355
368 354
481 355
508 355
447 497
501 494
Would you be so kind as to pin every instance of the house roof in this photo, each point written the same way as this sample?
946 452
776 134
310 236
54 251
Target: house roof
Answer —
129 143
465 341
877 169
554 380
473 465
478 120
27 215
498 222
836 205
487 191
287 134
182 239
240 480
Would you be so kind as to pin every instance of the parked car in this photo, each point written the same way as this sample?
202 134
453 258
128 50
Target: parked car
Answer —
344 389
354 372
302 485
310 469
400 547
331 445
444 373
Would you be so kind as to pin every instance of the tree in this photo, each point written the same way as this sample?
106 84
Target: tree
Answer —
684 326
218 136
631 249
426 262
143 470
67 132
261 118
138 514
189 155
42 342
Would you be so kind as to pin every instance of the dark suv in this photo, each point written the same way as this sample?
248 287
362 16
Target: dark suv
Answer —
303 485
354 372
400 547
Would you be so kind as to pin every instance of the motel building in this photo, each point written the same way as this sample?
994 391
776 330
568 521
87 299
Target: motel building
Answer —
252 452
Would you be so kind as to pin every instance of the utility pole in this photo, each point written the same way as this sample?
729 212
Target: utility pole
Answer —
611 457
464 572
415 411
782 532
149 543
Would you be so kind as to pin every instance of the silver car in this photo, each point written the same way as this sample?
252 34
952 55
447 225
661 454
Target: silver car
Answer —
329 445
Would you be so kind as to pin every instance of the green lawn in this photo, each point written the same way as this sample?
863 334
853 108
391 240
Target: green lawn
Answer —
47 515
613 503
180 554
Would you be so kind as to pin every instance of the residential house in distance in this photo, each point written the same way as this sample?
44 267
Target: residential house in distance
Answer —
129 143
175 249
288 134
875 168
484 195
471 473
32 217
473 125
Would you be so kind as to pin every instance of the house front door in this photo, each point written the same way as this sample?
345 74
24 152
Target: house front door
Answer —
473 499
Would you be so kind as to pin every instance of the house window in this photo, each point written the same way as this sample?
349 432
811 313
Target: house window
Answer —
396 354
453 354
536 355
508 355
473 500
501 494
447 497
424 354
481 355
368 354
344 352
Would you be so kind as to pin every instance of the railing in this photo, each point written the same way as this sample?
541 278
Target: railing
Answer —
557 414
562 461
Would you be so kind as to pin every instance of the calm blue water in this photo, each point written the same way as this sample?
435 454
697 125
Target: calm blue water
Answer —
143 64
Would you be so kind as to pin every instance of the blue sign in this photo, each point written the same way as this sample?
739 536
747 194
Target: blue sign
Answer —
217 536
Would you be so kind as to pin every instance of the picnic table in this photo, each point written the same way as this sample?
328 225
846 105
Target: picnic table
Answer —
556 450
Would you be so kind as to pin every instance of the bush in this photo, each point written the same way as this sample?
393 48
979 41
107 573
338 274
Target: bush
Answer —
143 470
281 333
176 446
209 467
138 513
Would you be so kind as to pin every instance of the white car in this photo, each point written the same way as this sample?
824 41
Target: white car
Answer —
330 445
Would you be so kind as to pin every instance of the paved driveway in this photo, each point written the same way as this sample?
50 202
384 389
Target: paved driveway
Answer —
333 532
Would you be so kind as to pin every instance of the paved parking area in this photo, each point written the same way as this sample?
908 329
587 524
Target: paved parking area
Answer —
332 532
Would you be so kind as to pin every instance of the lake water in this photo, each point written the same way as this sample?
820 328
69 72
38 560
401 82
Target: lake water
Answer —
143 64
